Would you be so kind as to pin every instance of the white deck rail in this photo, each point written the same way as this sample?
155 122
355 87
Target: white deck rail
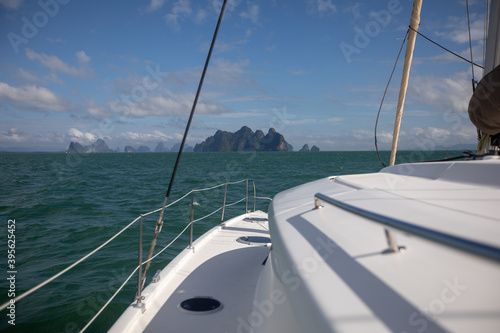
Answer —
141 263
480 249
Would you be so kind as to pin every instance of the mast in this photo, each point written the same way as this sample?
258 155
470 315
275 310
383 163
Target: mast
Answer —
491 61
412 35
492 55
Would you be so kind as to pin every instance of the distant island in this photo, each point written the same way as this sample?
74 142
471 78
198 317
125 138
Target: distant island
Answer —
222 141
100 146
306 148
244 140
97 147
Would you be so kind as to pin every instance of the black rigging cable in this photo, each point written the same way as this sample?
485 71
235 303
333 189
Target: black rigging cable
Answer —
470 47
383 97
159 223
447 50
195 100
471 62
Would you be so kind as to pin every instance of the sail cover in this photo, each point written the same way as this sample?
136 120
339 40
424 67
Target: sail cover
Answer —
484 105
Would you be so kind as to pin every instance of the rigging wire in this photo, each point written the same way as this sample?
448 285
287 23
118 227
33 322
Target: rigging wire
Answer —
159 223
470 47
471 62
383 97
447 50
485 25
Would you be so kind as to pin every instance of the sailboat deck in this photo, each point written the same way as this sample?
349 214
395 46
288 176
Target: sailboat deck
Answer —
427 287
220 268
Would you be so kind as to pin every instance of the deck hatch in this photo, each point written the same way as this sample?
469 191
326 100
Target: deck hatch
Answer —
200 305
255 240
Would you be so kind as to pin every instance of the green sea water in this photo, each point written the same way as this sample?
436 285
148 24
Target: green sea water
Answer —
65 205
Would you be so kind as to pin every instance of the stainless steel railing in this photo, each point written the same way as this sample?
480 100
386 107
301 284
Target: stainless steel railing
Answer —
140 283
469 246
141 263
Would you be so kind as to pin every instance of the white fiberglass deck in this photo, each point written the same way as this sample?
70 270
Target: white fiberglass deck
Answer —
337 277
329 271
220 267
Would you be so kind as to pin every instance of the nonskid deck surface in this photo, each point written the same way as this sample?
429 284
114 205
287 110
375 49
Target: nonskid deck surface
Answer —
221 268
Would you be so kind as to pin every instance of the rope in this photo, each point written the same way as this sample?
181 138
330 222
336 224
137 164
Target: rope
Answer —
210 214
265 198
465 154
145 262
211 188
109 301
167 246
236 202
383 97
67 268
184 230
447 50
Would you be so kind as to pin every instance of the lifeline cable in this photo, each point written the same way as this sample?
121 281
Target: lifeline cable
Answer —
160 222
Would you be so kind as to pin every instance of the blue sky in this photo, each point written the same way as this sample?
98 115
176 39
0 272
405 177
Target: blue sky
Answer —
315 70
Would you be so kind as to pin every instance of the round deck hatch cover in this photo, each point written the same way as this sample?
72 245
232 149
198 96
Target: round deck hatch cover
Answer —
255 240
200 305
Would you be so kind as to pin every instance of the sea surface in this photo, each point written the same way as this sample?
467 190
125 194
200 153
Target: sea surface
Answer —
66 205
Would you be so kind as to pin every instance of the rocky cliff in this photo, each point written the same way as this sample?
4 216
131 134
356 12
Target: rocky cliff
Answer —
305 148
97 147
244 140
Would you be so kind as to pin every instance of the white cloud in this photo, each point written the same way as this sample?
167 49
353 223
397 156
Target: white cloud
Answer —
222 46
82 137
56 40
354 10
56 64
252 13
419 138
430 138
220 73
477 53
142 138
322 6
13 135
242 114
448 94
201 15
11 4
334 120
298 72
168 104
25 75
456 29
180 10
156 4
82 57
230 74
230 6
38 97
98 110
